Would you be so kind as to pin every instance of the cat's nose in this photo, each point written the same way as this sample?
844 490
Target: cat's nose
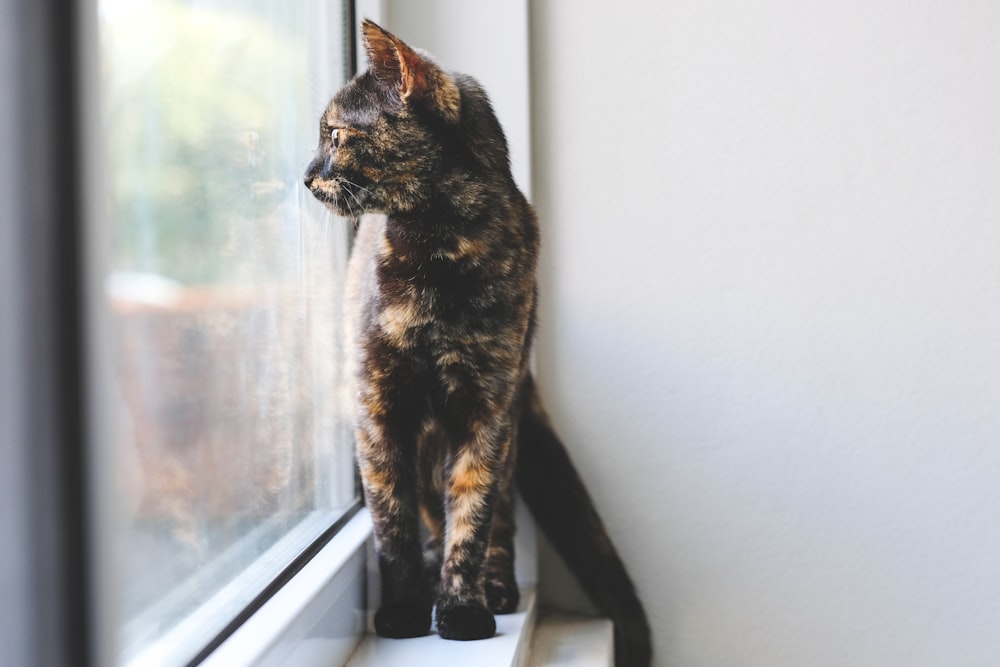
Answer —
313 170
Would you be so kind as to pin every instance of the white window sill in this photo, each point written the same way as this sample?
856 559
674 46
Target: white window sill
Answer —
317 618
509 648
562 640
320 618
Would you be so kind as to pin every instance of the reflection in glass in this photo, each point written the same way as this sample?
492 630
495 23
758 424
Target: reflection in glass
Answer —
223 291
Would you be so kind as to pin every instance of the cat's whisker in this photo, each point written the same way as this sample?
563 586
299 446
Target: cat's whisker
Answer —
357 201
353 196
344 183
359 187
344 200
350 209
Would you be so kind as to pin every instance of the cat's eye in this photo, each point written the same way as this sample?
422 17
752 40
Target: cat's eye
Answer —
335 137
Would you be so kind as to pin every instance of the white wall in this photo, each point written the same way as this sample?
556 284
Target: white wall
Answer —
771 325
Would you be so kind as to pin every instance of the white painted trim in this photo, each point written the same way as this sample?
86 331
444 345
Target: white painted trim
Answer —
489 40
144 642
561 640
317 617
377 11
372 9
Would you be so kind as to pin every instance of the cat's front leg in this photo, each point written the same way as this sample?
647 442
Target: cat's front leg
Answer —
388 478
502 595
462 610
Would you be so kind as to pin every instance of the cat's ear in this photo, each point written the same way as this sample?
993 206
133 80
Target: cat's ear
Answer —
414 76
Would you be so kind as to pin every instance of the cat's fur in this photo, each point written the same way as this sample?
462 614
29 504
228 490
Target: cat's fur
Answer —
443 300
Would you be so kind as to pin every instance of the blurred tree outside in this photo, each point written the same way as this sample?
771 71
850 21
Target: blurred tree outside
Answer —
195 129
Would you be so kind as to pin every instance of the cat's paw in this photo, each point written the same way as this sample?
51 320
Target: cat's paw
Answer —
465 622
400 621
502 594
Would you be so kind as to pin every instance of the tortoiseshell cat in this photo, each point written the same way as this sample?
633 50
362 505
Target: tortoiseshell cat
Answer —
442 297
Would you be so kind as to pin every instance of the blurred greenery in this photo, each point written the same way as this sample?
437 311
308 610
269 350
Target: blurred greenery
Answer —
200 102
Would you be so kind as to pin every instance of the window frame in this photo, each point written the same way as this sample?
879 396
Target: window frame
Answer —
44 617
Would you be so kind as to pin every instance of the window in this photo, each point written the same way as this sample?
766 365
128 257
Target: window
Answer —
222 292
198 350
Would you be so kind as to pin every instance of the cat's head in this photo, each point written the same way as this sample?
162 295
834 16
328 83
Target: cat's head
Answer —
394 134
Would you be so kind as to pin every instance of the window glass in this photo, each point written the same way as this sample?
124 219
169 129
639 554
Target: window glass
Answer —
223 291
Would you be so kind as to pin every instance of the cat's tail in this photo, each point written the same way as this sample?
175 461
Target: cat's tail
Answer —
558 500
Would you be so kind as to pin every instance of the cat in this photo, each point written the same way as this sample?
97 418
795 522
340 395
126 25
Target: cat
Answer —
442 304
